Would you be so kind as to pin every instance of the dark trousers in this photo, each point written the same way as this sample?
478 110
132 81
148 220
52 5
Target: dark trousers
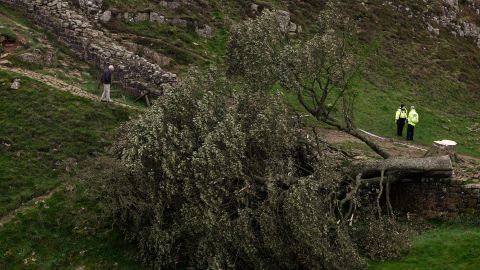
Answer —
400 125
410 132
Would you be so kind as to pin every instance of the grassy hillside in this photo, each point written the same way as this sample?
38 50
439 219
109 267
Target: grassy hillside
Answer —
52 236
44 134
37 50
403 62
406 64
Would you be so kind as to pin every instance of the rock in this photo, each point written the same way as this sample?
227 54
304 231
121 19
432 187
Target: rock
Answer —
155 17
127 17
5 63
15 84
206 31
30 58
45 56
170 4
106 16
299 29
292 28
254 8
178 22
141 17
283 18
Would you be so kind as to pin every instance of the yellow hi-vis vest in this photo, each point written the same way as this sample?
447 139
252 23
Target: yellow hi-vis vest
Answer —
413 118
401 113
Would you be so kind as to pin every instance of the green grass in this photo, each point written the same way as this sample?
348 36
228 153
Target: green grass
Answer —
438 75
8 34
63 64
446 247
129 4
440 117
56 235
17 16
42 129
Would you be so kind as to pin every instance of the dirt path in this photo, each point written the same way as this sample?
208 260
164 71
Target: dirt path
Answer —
397 147
28 205
61 85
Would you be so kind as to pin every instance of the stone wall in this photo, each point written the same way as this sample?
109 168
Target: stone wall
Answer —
75 30
433 199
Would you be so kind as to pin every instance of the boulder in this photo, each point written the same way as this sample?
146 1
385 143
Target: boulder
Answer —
283 18
155 17
142 17
106 16
206 31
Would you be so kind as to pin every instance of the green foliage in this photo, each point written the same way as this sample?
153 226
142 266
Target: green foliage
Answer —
253 50
381 238
219 178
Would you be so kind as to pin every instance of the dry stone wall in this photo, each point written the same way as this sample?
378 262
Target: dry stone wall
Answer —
432 199
74 29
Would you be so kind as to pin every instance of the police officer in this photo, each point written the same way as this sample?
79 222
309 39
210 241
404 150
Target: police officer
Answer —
413 120
401 119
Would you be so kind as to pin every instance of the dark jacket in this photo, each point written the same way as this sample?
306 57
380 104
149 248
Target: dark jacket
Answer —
106 77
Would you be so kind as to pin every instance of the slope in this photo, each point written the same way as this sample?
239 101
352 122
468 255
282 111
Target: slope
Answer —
45 134
404 60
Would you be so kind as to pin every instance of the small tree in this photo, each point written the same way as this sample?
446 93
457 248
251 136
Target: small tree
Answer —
318 70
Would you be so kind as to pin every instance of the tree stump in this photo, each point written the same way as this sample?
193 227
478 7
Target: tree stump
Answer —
443 148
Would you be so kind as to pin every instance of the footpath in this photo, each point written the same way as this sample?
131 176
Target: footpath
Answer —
61 85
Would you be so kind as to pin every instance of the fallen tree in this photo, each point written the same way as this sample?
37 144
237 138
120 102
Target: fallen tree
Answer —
436 167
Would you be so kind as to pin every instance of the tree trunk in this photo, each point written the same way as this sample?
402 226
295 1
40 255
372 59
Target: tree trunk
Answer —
440 167
359 135
442 148
368 141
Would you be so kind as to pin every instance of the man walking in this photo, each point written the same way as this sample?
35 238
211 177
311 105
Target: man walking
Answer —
401 119
106 80
413 119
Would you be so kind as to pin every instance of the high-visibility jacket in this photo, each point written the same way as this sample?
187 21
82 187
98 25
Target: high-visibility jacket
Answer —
401 113
413 118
